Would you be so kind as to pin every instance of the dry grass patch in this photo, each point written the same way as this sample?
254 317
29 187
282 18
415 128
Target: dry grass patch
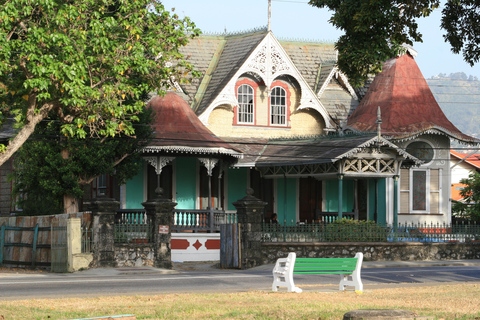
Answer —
444 302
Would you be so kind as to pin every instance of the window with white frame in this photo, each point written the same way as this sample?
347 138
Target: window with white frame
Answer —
246 105
420 191
278 106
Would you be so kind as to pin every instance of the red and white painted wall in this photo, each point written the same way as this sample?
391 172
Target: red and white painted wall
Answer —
195 247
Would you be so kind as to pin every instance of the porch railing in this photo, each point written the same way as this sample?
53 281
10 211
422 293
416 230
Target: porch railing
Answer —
201 220
321 232
328 217
133 226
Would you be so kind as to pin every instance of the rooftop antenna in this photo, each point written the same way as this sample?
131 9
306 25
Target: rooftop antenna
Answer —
269 15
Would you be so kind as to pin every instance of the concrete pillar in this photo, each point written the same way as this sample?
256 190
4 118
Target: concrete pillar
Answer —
250 217
104 210
74 241
161 211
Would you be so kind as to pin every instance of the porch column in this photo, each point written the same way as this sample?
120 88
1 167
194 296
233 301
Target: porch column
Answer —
395 201
340 196
209 164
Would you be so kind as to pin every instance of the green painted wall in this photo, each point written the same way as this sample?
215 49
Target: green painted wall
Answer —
186 182
331 195
134 191
287 210
237 185
381 201
371 199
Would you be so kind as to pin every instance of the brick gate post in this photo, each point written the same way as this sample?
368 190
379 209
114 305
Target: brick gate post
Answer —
161 211
104 210
250 217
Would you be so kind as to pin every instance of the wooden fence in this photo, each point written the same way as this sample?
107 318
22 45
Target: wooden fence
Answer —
27 240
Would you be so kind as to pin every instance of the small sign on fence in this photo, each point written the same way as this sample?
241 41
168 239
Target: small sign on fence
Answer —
163 229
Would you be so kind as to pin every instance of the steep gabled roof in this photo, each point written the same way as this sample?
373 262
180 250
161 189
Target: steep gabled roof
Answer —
178 130
313 60
408 107
219 57
227 54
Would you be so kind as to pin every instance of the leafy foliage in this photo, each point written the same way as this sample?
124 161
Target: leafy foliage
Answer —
375 31
48 167
89 61
470 206
355 230
460 20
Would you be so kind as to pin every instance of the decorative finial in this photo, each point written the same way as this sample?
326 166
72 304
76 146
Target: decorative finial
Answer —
159 192
269 15
379 123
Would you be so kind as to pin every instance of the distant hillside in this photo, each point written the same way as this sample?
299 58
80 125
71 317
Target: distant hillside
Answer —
459 97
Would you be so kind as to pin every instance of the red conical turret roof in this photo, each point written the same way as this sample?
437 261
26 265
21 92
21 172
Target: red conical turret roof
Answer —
178 129
408 107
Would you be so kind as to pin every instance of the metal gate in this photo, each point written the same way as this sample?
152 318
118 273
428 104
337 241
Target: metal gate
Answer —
59 252
230 249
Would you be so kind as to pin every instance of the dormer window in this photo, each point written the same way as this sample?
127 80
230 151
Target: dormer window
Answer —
246 104
278 107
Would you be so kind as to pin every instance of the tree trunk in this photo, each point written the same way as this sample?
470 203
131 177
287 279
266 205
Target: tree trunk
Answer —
70 204
34 116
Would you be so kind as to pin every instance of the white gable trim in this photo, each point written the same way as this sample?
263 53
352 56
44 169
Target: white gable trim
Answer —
269 61
337 73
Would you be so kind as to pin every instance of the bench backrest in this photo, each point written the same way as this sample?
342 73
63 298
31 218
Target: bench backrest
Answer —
324 265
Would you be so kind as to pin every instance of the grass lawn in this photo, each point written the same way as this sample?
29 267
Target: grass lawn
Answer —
457 301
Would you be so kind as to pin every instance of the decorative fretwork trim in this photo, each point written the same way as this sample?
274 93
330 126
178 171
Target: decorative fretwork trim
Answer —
159 162
192 150
209 164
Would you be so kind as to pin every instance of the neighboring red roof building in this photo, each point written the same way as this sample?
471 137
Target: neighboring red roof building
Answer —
408 107
460 170
471 159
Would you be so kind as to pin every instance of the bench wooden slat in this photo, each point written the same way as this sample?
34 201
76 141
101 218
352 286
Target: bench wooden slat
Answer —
348 268
325 260
320 264
323 272
323 268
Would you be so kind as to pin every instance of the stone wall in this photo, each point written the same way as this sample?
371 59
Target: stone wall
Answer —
134 255
373 251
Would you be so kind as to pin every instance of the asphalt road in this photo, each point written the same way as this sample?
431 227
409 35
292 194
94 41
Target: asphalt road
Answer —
139 281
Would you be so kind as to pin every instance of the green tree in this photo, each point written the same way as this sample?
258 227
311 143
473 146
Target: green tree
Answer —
376 30
470 205
86 61
51 170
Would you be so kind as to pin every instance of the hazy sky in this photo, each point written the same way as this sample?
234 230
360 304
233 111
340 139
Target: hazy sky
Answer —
295 19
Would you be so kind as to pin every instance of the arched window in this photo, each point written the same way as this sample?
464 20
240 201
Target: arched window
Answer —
246 105
278 106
